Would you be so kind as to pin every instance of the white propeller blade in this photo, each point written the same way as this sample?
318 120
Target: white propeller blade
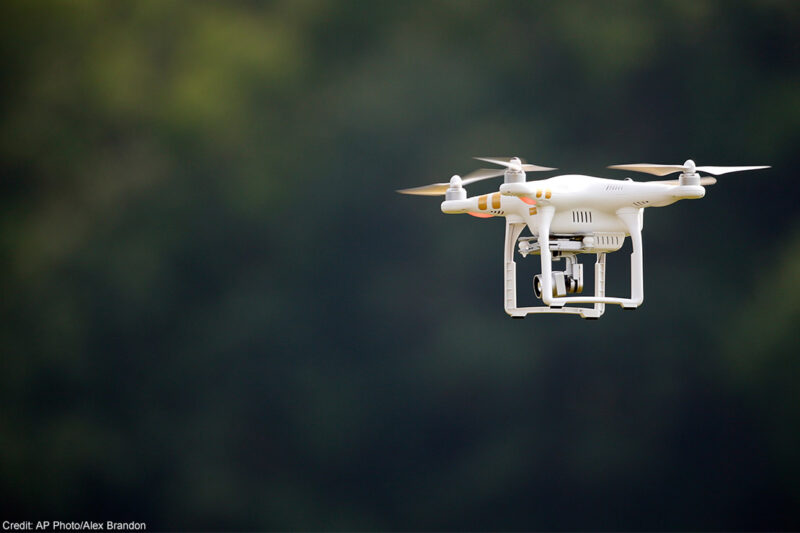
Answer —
706 180
724 170
435 189
663 170
649 168
514 163
438 189
505 161
482 173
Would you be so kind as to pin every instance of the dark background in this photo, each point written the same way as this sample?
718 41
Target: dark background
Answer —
216 313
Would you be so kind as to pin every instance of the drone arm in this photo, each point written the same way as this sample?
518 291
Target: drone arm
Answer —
484 206
455 207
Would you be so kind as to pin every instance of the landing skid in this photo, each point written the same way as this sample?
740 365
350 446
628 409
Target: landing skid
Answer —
557 305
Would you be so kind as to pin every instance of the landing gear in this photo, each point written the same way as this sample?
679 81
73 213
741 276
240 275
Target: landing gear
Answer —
572 276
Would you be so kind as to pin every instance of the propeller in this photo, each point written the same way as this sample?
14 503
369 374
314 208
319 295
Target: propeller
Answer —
513 163
438 189
705 180
457 182
687 168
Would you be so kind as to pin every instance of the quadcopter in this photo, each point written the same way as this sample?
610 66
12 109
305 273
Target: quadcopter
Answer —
567 216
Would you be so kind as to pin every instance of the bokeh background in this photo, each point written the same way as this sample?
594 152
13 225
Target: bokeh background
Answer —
216 313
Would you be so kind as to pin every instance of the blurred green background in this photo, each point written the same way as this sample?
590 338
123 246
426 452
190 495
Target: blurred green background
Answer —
216 313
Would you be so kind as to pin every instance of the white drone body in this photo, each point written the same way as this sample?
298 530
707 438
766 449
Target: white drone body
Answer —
570 215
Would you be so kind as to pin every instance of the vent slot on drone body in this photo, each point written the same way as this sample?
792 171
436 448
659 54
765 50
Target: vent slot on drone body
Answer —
582 217
608 240
614 187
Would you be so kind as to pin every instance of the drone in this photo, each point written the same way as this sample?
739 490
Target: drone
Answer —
567 216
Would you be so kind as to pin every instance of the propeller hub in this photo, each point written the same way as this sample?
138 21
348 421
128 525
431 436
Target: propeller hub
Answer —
513 175
689 175
455 191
